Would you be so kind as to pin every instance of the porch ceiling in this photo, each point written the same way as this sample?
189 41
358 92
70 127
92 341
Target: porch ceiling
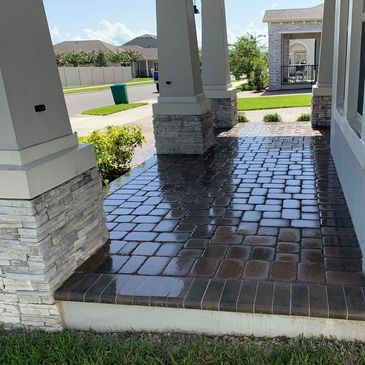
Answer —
258 224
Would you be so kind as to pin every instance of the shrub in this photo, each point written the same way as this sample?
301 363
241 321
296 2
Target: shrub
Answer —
304 117
260 75
273 117
114 149
242 118
245 87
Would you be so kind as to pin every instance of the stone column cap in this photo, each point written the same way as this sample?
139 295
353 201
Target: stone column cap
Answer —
31 180
194 105
322 90
220 92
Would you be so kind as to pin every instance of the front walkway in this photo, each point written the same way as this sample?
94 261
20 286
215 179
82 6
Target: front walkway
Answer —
258 225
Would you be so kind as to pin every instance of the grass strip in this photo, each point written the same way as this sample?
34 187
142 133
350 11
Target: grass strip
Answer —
112 109
274 102
73 348
77 89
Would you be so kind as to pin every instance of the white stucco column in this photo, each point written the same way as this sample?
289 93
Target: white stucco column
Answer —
216 72
322 91
36 136
182 120
51 214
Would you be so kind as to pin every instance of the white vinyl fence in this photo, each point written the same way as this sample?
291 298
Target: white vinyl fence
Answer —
71 76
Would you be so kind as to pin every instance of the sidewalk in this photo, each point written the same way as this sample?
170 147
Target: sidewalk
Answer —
288 114
142 117
84 124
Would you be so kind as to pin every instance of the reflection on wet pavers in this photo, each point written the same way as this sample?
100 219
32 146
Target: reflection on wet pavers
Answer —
259 223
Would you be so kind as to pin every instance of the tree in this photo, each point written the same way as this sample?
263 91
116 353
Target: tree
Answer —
100 59
72 58
132 56
244 53
260 75
116 57
59 59
87 58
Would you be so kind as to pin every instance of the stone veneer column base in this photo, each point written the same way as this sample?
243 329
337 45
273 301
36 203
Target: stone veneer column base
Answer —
321 111
42 242
224 112
183 134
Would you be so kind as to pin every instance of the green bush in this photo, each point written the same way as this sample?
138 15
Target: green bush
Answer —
304 117
260 75
114 149
273 117
245 87
242 118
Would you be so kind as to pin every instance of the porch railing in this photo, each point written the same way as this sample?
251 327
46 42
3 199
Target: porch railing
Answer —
299 74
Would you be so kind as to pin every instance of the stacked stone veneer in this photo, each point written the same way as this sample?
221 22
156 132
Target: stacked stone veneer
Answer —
321 111
183 134
224 112
276 51
42 241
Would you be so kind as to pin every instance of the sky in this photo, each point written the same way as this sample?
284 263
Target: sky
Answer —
118 21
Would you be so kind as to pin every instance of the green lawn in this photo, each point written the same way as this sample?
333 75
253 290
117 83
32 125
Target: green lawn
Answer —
92 88
87 89
274 102
77 87
112 109
71 348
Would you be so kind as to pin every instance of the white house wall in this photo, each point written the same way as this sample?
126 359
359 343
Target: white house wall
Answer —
348 148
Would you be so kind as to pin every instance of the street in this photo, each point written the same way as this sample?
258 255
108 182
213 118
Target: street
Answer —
77 103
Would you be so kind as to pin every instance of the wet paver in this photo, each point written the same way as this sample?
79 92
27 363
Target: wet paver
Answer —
257 224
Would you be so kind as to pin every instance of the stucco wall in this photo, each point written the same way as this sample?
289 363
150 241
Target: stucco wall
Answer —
347 164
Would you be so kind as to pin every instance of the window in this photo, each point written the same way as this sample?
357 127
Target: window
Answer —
342 56
360 100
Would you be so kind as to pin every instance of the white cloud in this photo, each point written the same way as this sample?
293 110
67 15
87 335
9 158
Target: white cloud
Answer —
115 33
274 5
235 31
56 35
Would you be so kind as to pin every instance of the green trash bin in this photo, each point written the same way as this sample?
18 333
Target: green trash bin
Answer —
120 93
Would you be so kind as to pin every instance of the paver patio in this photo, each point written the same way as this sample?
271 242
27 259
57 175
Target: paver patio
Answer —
258 224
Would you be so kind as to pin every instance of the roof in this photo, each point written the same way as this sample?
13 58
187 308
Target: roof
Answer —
291 15
86 46
144 41
148 53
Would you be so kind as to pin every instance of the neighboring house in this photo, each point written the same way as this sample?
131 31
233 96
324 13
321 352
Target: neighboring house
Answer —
294 44
146 45
144 41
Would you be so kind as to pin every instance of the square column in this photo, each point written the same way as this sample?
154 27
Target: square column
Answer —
51 199
322 91
182 119
216 72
